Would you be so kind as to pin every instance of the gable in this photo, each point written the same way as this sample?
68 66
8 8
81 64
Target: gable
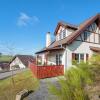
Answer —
83 28
23 59
16 61
63 32
90 34
64 25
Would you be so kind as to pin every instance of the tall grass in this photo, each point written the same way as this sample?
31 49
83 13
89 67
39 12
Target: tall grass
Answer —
71 87
95 66
23 80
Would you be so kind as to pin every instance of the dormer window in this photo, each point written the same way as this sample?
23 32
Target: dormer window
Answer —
61 35
64 34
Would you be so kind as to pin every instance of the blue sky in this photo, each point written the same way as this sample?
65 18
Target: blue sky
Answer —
24 23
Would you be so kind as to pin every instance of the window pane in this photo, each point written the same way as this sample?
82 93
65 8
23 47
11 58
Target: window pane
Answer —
77 57
60 59
81 57
56 59
85 36
64 34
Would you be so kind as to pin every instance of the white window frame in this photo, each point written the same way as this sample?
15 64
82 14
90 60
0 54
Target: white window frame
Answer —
64 34
58 59
79 56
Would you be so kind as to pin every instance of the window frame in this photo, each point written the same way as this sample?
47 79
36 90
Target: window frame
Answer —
64 33
85 36
77 57
58 59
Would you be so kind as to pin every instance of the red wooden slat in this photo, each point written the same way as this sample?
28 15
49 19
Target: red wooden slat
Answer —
47 71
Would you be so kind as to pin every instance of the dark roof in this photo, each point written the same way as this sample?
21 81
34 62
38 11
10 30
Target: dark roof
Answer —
96 49
69 39
25 59
49 49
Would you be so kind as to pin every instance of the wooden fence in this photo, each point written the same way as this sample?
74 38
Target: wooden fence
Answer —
47 71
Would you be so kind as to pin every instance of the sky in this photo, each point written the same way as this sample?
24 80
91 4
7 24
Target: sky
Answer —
24 23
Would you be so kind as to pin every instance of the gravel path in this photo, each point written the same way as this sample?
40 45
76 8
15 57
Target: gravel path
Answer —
42 93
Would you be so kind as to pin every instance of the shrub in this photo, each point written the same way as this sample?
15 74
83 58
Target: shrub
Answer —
95 66
95 60
71 87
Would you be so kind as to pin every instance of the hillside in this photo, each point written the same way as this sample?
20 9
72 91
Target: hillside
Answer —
5 58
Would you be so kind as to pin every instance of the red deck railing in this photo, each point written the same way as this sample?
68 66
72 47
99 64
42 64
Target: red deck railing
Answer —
47 71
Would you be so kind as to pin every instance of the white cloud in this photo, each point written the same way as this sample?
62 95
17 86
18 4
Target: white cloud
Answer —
25 19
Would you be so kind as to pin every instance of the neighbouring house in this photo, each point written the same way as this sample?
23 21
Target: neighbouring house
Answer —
21 61
4 66
71 43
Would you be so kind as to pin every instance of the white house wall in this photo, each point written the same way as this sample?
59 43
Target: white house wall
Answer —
79 47
52 57
18 62
60 32
76 47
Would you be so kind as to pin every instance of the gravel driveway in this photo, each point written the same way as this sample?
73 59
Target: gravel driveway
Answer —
42 93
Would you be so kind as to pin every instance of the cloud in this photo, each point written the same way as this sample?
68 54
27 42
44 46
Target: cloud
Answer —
25 19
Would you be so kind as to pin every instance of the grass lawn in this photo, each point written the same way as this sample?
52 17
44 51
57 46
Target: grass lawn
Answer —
5 58
9 88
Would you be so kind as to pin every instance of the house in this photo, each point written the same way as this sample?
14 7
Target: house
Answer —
21 61
4 66
72 43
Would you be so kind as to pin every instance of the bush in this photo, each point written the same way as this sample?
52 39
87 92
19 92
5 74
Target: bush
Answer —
95 66
95 60
71 87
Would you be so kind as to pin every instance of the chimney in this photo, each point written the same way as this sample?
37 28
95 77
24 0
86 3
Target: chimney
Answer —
48 39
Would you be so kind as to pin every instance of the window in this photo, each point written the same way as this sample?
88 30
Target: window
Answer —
87 57
81 57
85 36
64 34
58 59
78 57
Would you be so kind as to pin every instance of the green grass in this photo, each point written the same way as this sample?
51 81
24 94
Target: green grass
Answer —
9 88
6 58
